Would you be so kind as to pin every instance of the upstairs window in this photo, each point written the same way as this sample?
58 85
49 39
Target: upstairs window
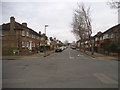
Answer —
96 39
105 36
23 33
32 36
27 34
38 37
101 38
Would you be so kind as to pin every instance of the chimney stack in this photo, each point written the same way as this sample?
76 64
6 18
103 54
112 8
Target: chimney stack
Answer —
12 23
39 32
24 24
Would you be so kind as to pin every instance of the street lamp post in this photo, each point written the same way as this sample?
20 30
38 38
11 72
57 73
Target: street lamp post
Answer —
45 41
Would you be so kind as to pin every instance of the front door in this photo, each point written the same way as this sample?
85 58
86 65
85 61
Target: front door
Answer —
30 47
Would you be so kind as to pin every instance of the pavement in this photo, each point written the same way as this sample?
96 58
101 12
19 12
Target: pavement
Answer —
41 54
28 57
100 56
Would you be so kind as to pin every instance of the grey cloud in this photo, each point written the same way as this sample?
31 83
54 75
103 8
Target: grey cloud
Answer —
58 15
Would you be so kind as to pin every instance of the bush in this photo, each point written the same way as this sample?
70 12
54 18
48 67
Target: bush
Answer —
110 46
95 48
43 48
113 47
8 51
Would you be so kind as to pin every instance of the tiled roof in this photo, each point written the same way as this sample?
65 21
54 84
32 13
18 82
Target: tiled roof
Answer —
113 29
6 26
18 26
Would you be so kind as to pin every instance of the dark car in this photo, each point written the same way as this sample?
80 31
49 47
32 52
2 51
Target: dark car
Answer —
58 49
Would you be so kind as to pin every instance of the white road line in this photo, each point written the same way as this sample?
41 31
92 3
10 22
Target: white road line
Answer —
105 79
70 57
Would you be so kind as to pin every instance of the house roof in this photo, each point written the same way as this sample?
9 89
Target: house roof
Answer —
18 26
5 26
98 34
115 28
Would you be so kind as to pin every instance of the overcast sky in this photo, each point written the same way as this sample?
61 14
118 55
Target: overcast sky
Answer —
58 15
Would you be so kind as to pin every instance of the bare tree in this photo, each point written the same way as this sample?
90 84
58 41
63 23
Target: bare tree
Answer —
82 23
114 3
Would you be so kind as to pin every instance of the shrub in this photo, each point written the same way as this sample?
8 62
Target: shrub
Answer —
110 46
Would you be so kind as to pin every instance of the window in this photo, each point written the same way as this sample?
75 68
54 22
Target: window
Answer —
37 37
23 33
37 45
105 36
101 38
23 43
96 39
27 34
27 44
112 35
34 36
33 44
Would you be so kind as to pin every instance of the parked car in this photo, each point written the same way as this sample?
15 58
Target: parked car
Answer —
73 47
58 49
63 48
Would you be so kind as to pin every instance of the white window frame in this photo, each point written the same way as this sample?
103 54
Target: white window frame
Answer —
27 34
23 33
32 35
27 44
33 44
23 43
101 38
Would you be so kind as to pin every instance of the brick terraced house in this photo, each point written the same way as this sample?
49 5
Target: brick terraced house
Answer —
18 37
110 35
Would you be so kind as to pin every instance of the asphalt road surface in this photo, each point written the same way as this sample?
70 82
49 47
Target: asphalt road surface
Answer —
68 69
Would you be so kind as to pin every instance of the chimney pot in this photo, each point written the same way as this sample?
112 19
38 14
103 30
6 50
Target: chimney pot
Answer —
12 19
24 24
40 32
12 23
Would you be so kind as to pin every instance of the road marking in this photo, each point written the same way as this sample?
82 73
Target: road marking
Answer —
105 79
80 55
70 57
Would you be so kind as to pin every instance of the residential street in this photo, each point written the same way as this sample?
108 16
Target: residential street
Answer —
67 69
